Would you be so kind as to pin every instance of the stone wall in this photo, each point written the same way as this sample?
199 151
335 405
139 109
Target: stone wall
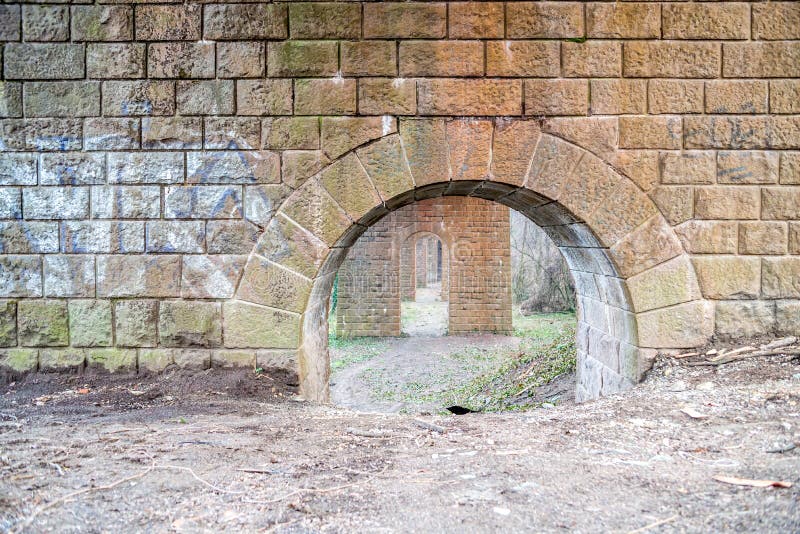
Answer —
388 260
179 180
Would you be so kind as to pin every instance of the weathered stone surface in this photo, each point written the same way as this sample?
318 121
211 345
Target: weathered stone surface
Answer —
650 132
241 59
208 97
262 201
72 168
56 202
233 358
115 60
368 58
441 58
231 237
787 318
168 23
138 276
42 323
282 359
229 167
667 284
709 237
211 277
137 98
325 96
728 132
203 202
20 276
90 323
302 58
757 237
8 323
155 360
10 17
19 360
589 185
190 324
111 134
613 97
623 20
647 246
299 165
553 159
10 203
264 97
146 167
469 148
728 277
626 208
102 23
676 203
61 360
244 21
386 166
469 97
730 20
40 134
727 202
684 326
522 58
185 237
790 168
35 61
671 59
102 237
20 237
192 358
45 23
476 20
780 203
248 325
135 323
232 133
111 360
736 96
314 209
172 133
180 60
425 147
405 20
325 20
556 97
741 167
377 96
18 169
271 285
691 167
69 276
341 134
761 60
780 277
513 145
675 96
126 202
350 187
10 99
293 133
745 319
784 95
290 245
597 59
544 20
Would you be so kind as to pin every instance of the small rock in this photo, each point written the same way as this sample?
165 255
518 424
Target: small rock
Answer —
705 386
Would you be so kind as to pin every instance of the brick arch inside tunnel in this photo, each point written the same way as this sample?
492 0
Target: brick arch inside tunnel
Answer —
636 288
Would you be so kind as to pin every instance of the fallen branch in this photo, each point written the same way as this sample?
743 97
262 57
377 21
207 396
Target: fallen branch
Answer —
429 426
739 357
654 525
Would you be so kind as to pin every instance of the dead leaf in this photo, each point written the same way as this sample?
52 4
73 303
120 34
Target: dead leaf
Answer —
752 483
83 391
694 414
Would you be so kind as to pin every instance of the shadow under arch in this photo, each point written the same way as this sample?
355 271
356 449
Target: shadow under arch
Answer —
636 288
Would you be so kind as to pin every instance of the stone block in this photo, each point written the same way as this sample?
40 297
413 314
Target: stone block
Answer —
469 148
671 59
787 318
780 277
687 325
171 133
126 202
72 168
325 20
18 169
192 358
115 60
591 59
10 22
623 20
138 276
513 148
745 319
262 201
647 246
615 97
10 203
40 135
441 58
20 276
138 98
232 133
552 160
403 20
203 202
264 97
522 58
790 168
676 203
251 326
23 237
327 96
675 96
650 132
625 208
728 277
190 324
726 132
293 133
90 323
386 165
368 58
155 360
42 323
10 99
180 60
19 360
736 96
314 209
175 236
780 59
747 167
776 20
469 97
111 360
45 23
208 97
783 132
341 134
548 20
60 360
211 277
288 244
102 23
8 323
780 203
709 237
299 165
589 185
690 167
665 285
271 285
233 358
69 276
476 20
794 238
241 59
379 96
229 167
302 58
556 97
727 202
757 237
135 323
102 237
231 237
43 61
110 134
56 203
282 359
784 96
350 187
225 22
729 20
168 23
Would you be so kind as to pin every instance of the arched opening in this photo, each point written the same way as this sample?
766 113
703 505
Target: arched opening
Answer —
424 274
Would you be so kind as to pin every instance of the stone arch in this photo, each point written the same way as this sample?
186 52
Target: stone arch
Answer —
637 290
408 252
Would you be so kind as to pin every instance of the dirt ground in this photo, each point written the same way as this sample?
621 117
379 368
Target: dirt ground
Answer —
232 451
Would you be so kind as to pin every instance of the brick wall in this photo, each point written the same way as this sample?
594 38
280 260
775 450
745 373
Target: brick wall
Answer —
177 180
476 269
